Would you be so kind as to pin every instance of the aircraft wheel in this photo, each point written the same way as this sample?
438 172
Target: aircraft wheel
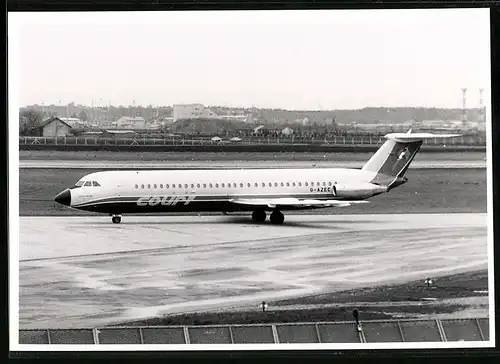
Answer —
116 219
259 215
277 218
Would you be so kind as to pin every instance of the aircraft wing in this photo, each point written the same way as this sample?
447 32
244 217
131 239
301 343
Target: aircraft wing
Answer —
294 202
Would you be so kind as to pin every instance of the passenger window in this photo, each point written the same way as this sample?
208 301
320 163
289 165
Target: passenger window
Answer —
329 183
256 184
211 185
306 184
155 186
136 186
293 184
94 183
270 184
263 184
241 184
216 185
180 186
235 185
300 184
167 186
142 186
88 183
222 185
185 185
275 184
317 184
192 185
248 185
281 184
198 185
288 184
324 183
204 185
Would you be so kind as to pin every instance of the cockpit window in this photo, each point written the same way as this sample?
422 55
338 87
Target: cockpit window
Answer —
88 183
79 183
94 183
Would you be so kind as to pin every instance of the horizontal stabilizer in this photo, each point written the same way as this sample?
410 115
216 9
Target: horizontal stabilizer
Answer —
295 202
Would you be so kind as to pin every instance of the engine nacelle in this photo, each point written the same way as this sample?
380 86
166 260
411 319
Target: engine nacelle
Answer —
357 191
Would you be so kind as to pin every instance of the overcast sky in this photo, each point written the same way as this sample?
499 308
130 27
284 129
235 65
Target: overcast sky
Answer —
282 59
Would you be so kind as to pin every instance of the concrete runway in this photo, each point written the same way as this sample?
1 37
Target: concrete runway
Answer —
86 271
90 164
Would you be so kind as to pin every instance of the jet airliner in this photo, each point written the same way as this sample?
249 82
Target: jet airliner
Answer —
252 190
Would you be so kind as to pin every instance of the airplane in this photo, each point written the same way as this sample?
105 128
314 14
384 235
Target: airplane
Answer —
246 190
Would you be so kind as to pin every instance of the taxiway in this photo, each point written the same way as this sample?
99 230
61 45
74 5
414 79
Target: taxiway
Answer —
86 271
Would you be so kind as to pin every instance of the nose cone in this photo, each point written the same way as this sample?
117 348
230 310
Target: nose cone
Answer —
64 198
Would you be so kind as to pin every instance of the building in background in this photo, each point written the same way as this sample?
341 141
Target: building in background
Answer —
55 127
191 111
130 122
75 122
188 111
246 118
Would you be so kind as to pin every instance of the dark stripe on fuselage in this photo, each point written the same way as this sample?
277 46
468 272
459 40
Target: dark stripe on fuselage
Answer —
193 206
193 203
204 198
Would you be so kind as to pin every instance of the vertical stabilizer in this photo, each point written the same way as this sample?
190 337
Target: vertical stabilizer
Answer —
391 161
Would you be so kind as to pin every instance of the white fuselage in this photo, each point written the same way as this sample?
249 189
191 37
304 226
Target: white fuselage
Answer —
213 190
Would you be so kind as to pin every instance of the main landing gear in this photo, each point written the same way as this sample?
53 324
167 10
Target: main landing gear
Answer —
276 217
116 219
259 216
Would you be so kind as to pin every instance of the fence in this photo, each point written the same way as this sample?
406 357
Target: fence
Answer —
414 330
151 141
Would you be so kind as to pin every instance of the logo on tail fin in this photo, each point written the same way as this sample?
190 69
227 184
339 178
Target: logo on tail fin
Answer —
403 153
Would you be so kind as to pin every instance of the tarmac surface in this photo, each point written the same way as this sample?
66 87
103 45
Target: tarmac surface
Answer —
199 164
86 271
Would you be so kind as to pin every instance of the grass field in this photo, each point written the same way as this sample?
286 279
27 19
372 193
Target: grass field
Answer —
446 287
373 303
235 148
427 191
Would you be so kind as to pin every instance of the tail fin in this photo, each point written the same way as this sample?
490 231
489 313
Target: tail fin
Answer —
393 158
